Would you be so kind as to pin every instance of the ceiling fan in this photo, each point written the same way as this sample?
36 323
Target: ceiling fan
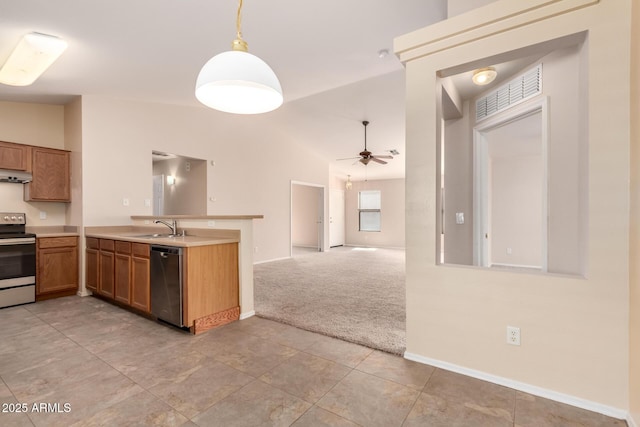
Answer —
365 155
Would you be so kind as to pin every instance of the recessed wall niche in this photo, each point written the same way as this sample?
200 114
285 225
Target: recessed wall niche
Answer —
513 180
179 184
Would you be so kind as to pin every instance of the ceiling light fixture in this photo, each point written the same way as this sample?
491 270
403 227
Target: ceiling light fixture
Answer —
31 57
484 76
349 184
237 81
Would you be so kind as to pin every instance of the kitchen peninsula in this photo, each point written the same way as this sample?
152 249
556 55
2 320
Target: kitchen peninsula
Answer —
217 265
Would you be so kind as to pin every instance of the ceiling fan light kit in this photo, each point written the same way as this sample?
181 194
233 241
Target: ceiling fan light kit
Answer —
238 82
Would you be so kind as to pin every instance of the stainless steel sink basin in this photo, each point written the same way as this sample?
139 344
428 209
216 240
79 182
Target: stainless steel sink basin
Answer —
155 236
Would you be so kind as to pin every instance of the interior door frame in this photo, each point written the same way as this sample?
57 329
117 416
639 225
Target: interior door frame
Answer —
322 243
481 226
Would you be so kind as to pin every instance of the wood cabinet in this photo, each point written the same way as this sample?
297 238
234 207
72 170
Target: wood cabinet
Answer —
51 176
211 286
140 276
122 272
57 266
92 264
106 266
119 270
15 156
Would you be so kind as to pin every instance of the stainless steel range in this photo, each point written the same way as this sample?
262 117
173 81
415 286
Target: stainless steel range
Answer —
17 261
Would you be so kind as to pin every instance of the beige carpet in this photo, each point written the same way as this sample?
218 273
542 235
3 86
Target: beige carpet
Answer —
354 294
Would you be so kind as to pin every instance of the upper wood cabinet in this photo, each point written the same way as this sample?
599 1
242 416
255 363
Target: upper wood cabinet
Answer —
14 156
51 176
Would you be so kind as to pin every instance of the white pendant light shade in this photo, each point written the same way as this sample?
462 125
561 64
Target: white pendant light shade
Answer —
31 57
240 83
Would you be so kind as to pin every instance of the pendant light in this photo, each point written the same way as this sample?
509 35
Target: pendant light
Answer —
237 81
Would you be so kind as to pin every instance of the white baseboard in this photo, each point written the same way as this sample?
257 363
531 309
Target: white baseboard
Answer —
247 315
271 260
527 388
631 422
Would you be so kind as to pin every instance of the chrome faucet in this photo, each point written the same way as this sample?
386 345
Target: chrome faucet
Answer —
173 225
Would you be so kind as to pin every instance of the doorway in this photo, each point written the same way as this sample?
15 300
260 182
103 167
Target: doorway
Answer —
511 190
307 218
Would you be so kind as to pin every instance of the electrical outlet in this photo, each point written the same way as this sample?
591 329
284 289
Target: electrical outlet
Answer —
125 202
513 335
43 215
147 203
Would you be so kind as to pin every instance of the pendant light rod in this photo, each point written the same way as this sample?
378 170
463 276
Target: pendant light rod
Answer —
365 123
239 43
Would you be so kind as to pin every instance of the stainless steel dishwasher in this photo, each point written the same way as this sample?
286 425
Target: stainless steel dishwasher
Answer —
166 284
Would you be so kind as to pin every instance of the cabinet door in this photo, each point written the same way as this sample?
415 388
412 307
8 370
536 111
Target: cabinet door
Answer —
140 296
92 268
51 176
107 266
123 278
14 156
57 270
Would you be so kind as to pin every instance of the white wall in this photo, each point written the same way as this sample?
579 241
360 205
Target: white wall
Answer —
255 161
392 230
32 124
575 331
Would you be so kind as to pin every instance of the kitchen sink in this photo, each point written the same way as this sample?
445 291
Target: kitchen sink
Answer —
155 236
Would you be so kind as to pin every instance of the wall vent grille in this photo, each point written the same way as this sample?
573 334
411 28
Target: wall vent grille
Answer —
517 90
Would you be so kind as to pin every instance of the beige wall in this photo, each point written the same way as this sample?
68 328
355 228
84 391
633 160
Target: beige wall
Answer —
391 214
255 161
32 124
634 234
575 332
305 210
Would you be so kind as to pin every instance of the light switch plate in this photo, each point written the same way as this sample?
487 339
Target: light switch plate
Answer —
125 202
147 202
459 217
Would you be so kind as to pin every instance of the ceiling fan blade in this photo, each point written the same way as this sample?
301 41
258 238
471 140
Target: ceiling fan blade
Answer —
348 158
384 156
377 160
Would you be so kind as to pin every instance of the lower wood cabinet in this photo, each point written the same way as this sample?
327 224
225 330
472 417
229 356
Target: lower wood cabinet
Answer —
119 270
57 267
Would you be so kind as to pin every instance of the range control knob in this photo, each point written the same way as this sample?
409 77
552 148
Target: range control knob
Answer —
20 218
6 218
13 218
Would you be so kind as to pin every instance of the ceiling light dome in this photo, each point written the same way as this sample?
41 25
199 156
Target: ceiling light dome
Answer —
237 81
484 76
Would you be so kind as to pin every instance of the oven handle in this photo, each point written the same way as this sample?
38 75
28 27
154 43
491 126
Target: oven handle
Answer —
18 241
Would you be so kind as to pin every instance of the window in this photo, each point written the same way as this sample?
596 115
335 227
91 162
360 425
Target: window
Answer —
369 210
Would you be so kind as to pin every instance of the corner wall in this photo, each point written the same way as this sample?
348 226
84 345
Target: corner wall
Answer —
575 332
634 233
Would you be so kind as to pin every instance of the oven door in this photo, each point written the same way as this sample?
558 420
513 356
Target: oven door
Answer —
17 262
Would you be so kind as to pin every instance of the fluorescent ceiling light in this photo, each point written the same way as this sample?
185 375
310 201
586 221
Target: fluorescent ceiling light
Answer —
31 57
237 81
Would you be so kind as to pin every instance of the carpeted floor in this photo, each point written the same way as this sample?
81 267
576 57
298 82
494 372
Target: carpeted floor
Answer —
356 294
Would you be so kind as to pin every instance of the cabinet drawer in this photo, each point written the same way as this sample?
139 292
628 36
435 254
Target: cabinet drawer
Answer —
57 242
93 243
140 250
123 247
106 245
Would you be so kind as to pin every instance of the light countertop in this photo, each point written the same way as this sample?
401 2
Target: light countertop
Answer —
194 237
53 230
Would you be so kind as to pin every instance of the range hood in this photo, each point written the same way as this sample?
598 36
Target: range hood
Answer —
17 177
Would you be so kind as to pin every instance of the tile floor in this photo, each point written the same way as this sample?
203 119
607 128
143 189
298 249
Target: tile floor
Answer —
114 368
